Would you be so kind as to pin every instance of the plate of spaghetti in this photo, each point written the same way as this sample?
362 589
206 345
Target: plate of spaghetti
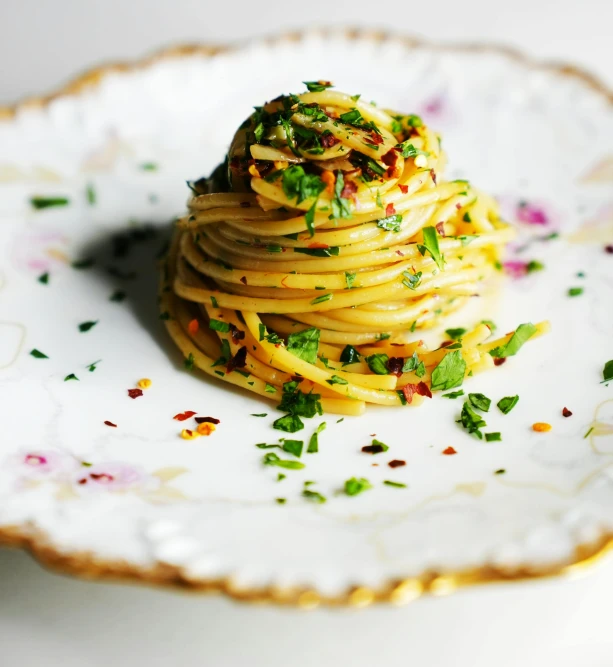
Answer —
365 353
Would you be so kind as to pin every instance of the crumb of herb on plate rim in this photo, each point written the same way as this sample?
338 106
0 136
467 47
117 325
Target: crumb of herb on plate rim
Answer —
566 412
37 354
493 437
39 202
397 485
355 486
500 471
541 427
86 326
135 393
607 372
280 501
506 404
575 291
44 278
72 376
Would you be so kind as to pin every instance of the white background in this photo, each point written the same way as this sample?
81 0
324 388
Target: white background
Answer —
47 620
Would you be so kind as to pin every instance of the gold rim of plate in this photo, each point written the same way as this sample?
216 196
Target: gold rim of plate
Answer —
86 565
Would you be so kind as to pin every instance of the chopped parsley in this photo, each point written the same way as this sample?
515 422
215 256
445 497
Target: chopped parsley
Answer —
480 402
269 388
397 485
321 299
575 291
318 252
313 496
355 486
454 394
271 338
90 193
288 423
407 149
391 223
376 447
218 325
340 205
214 302
299 185
271 459
506 404
336 379
259 414
414 365
149 166
378 363
37 354
280 501
493 437
351 117
313 447
72 376
513 345
293 447
430 245
86 326
118 296
349 279
44 278
280 477
450 371
454 334
349 355
189 362
411 280
317 86
304 344
92 367
298 403
500 471
607 372
490 324
225 356
471 421
48 202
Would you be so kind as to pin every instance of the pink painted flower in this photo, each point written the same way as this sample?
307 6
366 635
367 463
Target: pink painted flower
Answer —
113 476
39 251
43 463
532 213
515 269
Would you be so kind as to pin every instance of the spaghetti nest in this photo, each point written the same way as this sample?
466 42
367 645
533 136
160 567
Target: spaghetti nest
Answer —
312 257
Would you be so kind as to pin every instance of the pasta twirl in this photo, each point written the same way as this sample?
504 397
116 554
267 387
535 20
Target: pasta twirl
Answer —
316 253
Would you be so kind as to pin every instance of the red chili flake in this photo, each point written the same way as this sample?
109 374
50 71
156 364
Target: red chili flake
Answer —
446 343
376 137
245 204
373 435
238 360
323 246
236 333
399 252
108 423
424 390
182 416
408 390
328 140
193 327
433 174
498 361
83 480
207 420
458 206
394 365
349 189
403 188
135 393
566 412
373 449
609 249
390 210
390 158
449 451
440 228
397 463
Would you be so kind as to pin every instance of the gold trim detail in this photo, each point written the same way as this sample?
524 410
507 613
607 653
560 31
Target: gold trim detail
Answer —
86 565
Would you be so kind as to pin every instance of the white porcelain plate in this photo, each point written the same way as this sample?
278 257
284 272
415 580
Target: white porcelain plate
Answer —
137 500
